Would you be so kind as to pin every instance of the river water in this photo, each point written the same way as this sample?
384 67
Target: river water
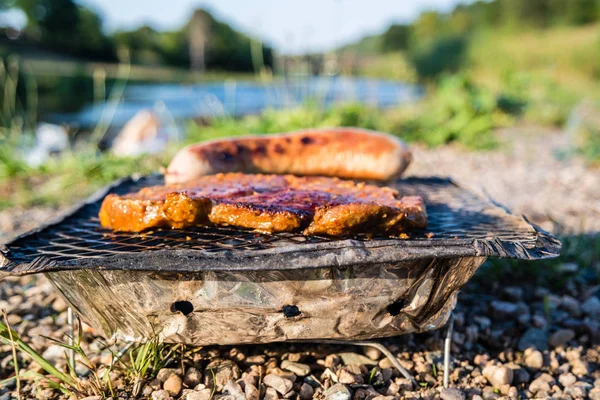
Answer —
180 102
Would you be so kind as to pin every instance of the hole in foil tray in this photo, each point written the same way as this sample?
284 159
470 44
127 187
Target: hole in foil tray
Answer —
184 307
291 311
395 308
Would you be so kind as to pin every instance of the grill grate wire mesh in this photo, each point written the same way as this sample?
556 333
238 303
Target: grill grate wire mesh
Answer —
454 214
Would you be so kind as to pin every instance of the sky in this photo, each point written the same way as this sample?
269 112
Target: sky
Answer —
292 27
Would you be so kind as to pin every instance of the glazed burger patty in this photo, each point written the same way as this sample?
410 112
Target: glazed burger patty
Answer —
267 203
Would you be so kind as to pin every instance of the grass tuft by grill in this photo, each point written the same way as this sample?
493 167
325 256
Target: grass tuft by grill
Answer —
145 360
139 364
64 382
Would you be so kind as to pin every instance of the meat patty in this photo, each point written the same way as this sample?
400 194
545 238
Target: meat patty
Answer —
267 203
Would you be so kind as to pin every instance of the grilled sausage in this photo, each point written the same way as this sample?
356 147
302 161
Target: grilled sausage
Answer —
343 152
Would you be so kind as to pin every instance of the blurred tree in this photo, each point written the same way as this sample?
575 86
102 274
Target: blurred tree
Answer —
203 41
143 44
66 27
446 54
535 13
226 48
90 40
461 20
396 38
582 11
427 27
175 48
54 22
484 13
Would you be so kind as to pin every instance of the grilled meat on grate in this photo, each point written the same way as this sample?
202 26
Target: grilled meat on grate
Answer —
267 203
350 153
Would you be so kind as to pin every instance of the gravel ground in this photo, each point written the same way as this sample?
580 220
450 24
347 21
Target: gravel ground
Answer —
529 338
510 342
529 174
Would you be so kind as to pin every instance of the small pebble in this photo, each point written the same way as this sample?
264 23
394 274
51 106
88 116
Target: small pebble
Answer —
385 363
534 338
337 392
221 371
591 307
296 368
256 360
271 394
204 394
503 309
539 385
498 375
520 375
251 392
578 390
534 359
173 385
306 392
594 394
373 353
567 379
331 360
165 374
452 394
579 367
192 377
281 385
356 359
161 395
561 337
346 377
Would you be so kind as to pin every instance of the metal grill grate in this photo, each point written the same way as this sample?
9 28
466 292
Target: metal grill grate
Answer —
460 224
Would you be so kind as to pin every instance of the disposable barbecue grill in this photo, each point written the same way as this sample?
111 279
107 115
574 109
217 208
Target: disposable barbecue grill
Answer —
223 285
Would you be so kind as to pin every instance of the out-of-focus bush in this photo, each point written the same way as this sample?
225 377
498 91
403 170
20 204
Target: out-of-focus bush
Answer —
443 55
395 65
583 128
588 144
274 121
457 111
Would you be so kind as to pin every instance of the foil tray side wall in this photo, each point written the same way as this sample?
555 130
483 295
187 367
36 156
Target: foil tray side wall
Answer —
233 307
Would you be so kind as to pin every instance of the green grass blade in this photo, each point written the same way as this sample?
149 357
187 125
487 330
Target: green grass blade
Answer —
24 347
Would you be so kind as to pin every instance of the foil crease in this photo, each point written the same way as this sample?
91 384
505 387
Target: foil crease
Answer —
355 302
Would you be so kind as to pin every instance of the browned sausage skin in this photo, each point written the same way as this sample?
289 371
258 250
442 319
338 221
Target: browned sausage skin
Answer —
343 152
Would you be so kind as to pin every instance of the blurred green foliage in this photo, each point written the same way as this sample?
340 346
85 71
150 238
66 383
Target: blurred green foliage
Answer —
226 49
456 111
63 179
588 144
437 41
72 29
274 121
67 27
396 37
538 59
443 55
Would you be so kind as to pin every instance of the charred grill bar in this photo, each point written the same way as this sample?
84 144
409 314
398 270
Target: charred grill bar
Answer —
222 285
